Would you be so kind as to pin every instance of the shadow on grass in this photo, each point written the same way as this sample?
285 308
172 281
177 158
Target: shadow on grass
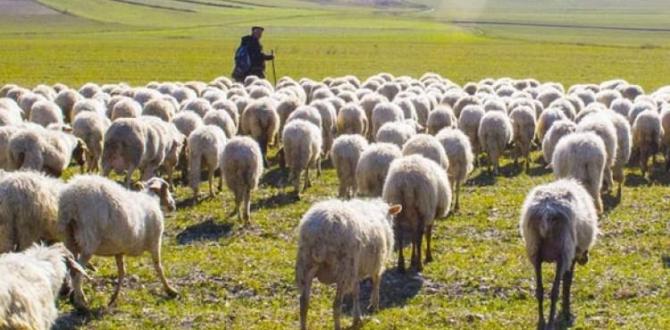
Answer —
539 170
485 178
207 230
77 319
666 261
396 289
276 177
610 201
281 199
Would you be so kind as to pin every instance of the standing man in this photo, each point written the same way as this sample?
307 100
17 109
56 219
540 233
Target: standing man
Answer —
249 58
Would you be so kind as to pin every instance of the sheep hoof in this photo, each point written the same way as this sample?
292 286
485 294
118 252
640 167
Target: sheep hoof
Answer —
567 319
428 259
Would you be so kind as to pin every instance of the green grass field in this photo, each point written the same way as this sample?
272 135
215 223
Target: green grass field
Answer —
235 278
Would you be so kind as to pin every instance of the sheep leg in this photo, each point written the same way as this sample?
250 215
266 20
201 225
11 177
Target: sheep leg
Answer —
318 168
565 305
416 252
247 207
304 298
539 292
337 305
78 293
355 298
429 234
220 182
458 195
554 292
307 182
401 257
263 143
156 257
210 180
122 273
374 298
342 191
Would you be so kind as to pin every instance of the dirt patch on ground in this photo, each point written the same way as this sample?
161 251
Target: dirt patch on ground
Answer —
24 8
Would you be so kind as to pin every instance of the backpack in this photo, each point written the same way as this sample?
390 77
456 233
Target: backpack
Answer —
242 62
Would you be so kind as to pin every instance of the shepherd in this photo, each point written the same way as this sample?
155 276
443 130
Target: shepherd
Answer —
249 57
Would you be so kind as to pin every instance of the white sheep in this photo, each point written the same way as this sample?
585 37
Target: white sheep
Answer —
90 127
66 100
459 152
427 146
40 149
442 116
28 210
45 113
468 122
557 131
161 108
422 187
126 108
546 119
328 123
342 243
665 138
302 150
260 121
647 133
241 167
351 119
396 132
383 113
205 147
582 156
624 146
558 224
130 144
100 217
30 283
523 126
600 124
373 166
221 119
345 154
495 133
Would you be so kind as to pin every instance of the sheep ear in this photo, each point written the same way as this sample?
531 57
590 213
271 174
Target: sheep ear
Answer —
75 267
156 186
395 209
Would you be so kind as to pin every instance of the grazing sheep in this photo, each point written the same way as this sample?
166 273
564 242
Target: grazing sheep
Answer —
373 165
566 107
624 145
89 89
40 149
308 113
66 99
100 217
397 132
30 283
344 242
328 122
205 147
665 138
129 144
126 108
170 141
547 118
523 126
383 113
423 190
260 121
622 107
230 108
558 224
427 146
638 108
45 113
345 154
10 113
465 101
600 124
23 221
90 127
407 108
582 156
442 116
87 105
302 150
284 109
242 167
221 119
161 108
6 133
647 133
459 152
495 133
352 120
468 122
27 100
557 131
187 122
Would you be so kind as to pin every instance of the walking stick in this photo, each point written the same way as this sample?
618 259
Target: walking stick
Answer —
274 71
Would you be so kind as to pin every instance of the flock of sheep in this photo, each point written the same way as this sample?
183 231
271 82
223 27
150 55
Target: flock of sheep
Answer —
405 144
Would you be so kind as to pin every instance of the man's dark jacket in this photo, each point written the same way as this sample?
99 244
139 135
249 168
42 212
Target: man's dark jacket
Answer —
258 58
